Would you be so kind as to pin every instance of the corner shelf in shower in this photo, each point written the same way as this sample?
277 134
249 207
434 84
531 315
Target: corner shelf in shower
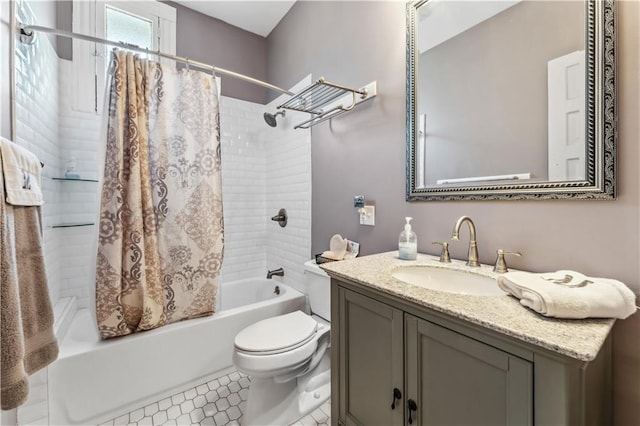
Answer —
324 100
72 225
74 180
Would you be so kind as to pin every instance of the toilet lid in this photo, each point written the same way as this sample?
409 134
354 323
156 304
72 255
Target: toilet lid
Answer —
276 333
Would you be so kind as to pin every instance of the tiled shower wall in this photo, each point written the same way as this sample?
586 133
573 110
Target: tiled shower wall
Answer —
243 189
79 140
265 169
36 107
47 125
288 177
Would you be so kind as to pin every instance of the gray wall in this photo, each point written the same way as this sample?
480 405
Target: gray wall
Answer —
363 152
485 91
210 40
64 15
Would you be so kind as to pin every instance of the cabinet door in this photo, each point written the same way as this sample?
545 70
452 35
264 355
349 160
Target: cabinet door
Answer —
456 380
370 361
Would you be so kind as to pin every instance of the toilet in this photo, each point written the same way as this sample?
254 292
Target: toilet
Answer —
287 358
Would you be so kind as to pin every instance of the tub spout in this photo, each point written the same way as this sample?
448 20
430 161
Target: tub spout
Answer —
276 272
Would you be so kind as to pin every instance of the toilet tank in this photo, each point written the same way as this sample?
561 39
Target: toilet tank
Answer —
318 286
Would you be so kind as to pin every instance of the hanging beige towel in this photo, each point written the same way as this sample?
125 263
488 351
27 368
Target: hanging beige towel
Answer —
21 170
27 340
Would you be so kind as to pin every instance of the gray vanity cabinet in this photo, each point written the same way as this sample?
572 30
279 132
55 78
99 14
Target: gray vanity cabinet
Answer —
370 334
446 371
456 380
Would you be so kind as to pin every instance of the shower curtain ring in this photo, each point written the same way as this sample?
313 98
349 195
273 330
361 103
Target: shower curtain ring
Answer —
187 61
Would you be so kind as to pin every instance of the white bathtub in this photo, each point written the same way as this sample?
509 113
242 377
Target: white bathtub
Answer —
93 381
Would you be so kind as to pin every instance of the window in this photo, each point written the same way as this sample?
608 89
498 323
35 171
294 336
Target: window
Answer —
144 23
129 28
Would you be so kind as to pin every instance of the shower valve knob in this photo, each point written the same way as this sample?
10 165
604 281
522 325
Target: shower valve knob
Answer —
281 218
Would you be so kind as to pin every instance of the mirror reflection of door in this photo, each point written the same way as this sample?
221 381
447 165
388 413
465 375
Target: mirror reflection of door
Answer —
421 139
566 117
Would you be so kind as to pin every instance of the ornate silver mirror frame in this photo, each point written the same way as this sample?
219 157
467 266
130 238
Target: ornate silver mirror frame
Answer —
600 123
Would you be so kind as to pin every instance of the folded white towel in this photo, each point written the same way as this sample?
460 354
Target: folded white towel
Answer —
21 170
569 294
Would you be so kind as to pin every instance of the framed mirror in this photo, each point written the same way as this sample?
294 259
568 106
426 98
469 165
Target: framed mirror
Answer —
511 99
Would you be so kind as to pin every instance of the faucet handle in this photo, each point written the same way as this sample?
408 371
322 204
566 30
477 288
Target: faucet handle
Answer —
501 264
444 254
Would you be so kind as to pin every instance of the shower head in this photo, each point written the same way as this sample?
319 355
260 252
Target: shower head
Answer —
271 118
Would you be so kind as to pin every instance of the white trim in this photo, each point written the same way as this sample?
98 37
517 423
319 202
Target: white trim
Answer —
83 69
513 176
163 17
153 7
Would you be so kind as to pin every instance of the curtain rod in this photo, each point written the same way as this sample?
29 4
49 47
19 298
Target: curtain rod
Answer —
26 31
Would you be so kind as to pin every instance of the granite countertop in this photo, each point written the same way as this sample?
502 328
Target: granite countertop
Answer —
578 339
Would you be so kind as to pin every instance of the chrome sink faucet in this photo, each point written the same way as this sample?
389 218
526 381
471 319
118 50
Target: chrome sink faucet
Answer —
472 256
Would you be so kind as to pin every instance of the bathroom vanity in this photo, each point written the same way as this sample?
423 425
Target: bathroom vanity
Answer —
403 354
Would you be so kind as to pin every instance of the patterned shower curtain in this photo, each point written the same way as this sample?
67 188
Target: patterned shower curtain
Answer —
160 243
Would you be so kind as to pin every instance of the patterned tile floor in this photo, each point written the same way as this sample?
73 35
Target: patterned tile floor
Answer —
218 402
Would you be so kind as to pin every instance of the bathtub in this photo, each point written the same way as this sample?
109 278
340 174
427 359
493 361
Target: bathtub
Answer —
94 381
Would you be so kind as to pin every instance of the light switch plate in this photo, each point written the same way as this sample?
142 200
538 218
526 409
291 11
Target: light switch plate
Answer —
369 216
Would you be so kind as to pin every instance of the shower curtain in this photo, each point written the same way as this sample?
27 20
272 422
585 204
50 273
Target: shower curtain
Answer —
160 242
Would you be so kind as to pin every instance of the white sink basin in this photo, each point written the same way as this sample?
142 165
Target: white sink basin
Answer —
448 280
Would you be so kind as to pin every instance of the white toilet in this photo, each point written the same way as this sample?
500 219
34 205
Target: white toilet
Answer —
287 358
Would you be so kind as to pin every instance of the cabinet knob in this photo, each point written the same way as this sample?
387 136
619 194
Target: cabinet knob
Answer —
397 396
411 404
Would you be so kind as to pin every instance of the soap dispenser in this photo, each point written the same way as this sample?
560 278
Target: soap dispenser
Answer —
408 242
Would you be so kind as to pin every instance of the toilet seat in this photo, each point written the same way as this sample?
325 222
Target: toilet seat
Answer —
276 334
297 341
